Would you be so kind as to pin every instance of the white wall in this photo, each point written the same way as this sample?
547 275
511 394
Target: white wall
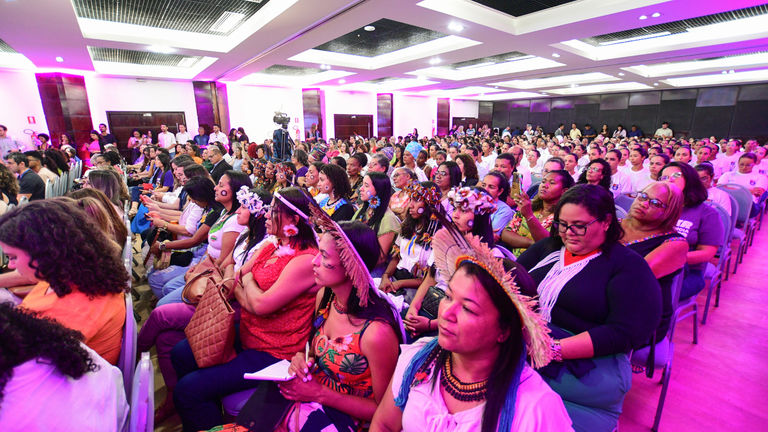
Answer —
253 107
410 112
126 94
20 99
464 108
348 102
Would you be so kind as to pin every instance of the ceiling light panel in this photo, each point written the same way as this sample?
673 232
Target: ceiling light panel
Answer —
388 84
115 55
600 88
555 81
387 36
734 26
464 91
528 63
720 78
292 76
506 96
750 60
518 8
207 17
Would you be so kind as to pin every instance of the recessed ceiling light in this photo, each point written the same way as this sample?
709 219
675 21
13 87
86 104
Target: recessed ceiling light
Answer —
642 17
621 73
186 62
555 55
496 87
543 93
342 81
325 66
656 84
59 59
434 61
160 49
226 22
730 71
656 15
455 27
482 94
724 72
574 85
369 28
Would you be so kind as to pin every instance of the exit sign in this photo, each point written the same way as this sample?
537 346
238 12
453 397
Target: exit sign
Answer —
31 120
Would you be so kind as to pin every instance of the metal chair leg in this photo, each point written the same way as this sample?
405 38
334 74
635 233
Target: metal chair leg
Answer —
664 386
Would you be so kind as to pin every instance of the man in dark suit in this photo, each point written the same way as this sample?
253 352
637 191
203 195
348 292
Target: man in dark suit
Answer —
220 166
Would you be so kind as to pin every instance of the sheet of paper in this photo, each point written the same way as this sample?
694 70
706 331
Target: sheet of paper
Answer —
275 372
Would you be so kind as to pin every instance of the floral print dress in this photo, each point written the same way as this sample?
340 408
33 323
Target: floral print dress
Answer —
519 226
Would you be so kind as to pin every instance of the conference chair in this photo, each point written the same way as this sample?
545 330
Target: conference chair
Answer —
142 398
713 275
621 212
742 235
127 360
48 189
624 202
659 355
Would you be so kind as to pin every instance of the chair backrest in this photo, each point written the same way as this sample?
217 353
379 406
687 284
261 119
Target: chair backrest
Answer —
143 397
624 202
48 189
23 200
128 254
533 190
742 196
728 223
621 212
677 286
127 360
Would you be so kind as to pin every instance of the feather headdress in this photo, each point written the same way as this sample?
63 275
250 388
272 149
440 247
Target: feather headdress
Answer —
476 201
452 248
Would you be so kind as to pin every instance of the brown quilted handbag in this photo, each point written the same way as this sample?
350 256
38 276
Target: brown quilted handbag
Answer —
211 332
197 280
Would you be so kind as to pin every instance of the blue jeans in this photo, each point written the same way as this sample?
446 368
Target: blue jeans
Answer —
198 393
693 283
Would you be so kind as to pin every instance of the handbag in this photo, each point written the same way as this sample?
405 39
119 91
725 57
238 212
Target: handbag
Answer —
211 331
431 301
197 280
265 409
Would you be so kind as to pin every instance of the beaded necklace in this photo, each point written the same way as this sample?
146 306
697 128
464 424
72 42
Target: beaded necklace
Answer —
647 238
464 392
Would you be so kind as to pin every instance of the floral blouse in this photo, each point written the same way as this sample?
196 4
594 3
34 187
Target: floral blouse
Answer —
399 200
519 226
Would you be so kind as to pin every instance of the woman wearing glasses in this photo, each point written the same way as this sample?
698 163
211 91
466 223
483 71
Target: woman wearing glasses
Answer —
649 230
597 172
699 224
601 301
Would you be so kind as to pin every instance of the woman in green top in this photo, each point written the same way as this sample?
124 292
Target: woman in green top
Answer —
375 193
533 218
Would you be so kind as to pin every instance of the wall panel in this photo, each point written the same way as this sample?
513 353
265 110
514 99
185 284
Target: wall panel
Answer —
586 114
678 112
709 121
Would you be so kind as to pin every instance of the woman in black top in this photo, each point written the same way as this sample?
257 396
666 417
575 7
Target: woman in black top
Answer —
597 172
334 182
649 230
468 169
601 300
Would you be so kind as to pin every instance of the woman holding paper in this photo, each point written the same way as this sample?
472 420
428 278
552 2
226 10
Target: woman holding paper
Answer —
355 341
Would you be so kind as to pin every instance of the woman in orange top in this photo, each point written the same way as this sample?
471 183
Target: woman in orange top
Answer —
79 272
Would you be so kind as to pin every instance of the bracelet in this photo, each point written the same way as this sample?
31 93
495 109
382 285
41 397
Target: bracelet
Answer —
557 354
166 225
429 325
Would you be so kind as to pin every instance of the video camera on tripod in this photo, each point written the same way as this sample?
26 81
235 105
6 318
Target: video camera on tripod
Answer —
281 137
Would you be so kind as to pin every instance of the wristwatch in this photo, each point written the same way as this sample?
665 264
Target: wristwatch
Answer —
163 246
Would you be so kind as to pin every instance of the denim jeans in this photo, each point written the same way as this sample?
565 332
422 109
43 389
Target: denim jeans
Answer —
693 283
198 393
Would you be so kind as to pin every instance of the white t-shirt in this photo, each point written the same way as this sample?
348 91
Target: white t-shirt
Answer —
641 183
416 254
490 159
190 218
664 132
636 176
220 137
216 234
39 398
166 140
620 184
727 163
749 181
239 255
538 408
721 198
182 138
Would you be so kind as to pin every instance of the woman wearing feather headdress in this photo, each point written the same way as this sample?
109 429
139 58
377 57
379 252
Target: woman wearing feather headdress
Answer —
473 376
355 339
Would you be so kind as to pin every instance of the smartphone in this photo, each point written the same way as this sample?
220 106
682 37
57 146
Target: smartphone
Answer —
517 186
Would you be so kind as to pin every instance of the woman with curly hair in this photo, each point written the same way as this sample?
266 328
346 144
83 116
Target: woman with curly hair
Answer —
597 172
470 176
335 183
9 187
59 158
45 370
79 271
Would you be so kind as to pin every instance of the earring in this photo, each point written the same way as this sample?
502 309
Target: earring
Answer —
420 211
223 193
374 202
290 230
470 223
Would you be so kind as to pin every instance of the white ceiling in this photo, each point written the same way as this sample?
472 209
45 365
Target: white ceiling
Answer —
284 32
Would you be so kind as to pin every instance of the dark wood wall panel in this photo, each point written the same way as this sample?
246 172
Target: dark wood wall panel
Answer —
485 114
749 118
346 125
518 116
679 114
558 116
443 116
122 123
709 121
537 119
312 102
644 116
586 114
611 118
384 110
207 106
65 104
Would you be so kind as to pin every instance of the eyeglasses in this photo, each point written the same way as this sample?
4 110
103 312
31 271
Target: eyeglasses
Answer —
595 169
674 176
575 229
654 202
441 173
